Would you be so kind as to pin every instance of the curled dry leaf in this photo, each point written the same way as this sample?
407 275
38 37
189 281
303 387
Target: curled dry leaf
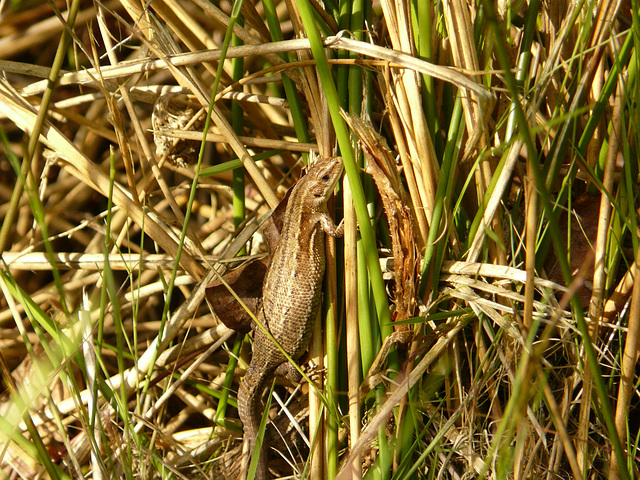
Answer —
246 281
397 207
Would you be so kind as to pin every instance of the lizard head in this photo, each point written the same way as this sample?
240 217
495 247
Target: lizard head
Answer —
322 178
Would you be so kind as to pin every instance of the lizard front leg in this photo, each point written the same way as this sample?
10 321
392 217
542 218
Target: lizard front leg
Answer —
329 227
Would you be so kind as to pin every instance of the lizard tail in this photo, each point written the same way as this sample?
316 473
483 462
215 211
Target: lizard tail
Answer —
250 411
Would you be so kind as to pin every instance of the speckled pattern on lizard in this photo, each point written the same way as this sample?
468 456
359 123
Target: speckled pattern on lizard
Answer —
290 294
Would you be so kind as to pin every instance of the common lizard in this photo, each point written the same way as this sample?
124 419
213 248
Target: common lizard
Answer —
290 294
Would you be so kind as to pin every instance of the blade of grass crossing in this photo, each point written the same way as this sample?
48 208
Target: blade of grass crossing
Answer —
343 75
368 328
253 465
349 81
332 389
223 401
237 122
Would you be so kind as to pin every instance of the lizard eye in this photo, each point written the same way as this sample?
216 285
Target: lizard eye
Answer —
325 177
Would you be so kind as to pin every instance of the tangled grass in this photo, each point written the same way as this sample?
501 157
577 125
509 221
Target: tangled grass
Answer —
481 317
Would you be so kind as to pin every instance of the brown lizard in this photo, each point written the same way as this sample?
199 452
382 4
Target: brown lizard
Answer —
290 294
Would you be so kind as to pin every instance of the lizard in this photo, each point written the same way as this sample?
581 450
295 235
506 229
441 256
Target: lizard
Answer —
290 294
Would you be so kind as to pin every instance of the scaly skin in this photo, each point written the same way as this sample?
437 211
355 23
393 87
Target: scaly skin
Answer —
290 294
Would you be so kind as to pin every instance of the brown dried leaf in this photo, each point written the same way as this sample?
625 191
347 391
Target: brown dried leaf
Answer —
246 281
399 212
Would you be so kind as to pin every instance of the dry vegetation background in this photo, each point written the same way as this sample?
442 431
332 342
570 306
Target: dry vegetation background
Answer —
485 323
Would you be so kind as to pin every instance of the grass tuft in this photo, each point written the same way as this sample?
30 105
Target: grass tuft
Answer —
480 316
